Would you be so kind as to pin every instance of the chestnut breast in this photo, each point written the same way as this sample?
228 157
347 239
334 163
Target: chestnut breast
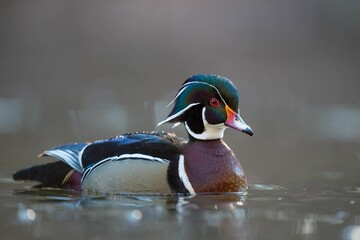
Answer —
211 166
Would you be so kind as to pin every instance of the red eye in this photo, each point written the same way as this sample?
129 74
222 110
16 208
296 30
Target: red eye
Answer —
214 102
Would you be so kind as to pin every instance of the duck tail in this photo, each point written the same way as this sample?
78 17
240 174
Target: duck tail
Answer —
69 154
61 174
55 175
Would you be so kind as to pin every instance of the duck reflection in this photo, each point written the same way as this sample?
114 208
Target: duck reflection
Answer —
275 213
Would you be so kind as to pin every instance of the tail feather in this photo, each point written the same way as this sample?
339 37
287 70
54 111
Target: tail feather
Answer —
49 175
64 173
69 154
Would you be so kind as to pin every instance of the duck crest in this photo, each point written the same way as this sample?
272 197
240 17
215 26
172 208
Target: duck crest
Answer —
212 166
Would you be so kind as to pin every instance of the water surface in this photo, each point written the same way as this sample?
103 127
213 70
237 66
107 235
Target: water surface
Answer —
265 212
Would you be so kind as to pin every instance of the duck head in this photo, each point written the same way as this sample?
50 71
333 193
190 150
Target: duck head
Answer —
207 105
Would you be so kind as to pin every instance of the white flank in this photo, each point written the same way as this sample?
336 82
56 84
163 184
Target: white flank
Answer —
89 170
184 177
142 156
124 156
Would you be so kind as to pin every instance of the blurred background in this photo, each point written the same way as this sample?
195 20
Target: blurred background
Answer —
86 70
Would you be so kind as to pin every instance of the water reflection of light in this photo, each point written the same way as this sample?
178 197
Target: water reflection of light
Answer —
351 232
239 203
307 225
159 208
31 214
134 216
276 215
26 215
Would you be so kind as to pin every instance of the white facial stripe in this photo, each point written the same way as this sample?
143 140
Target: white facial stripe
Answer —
213 128
177 95
208 85
212 131
197 82
184 177
177 114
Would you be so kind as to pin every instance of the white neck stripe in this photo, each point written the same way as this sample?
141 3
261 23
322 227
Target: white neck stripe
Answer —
212 131
184 177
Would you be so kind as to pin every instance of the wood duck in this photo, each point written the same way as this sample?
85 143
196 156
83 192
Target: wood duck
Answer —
158 162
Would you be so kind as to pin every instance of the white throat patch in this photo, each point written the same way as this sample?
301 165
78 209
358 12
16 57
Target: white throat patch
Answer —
212 131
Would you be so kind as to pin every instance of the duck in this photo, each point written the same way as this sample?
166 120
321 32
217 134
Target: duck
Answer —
158 162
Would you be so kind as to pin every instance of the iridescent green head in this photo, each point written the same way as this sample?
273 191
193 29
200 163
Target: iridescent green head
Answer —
207 104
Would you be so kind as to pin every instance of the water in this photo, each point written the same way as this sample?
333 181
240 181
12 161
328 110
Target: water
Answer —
265 212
